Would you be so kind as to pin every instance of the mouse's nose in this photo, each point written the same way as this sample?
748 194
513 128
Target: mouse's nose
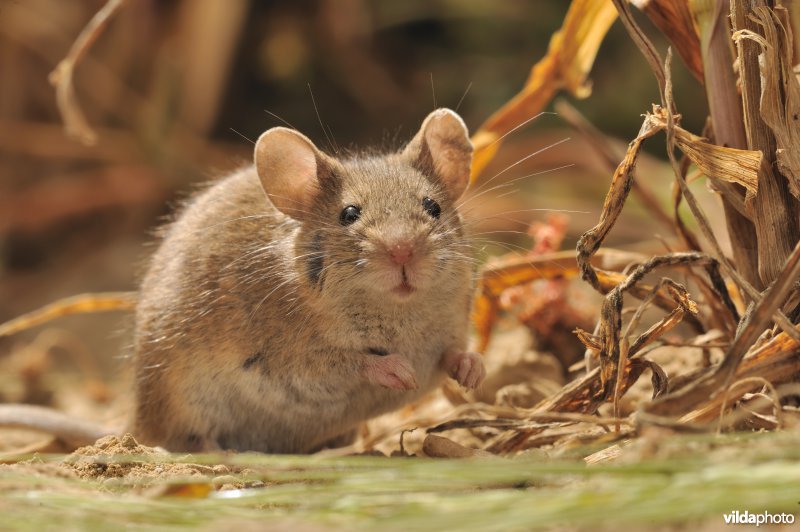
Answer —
401 251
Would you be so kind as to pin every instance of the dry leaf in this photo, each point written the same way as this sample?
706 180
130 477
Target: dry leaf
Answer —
674 20
569 58
514 271
717 162
441 447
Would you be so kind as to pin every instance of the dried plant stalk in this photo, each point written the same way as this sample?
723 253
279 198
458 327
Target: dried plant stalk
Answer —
780 92
707 385
775 212
725 108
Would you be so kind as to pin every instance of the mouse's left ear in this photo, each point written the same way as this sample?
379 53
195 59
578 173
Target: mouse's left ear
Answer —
443 150
293 172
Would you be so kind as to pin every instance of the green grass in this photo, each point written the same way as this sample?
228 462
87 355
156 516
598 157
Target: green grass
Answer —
687 480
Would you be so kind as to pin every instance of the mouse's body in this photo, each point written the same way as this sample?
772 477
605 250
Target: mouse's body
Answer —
281 330
295 299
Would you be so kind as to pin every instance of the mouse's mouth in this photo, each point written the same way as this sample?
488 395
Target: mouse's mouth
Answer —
404 288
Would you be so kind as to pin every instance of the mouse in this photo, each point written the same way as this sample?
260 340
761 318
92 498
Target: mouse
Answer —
302 295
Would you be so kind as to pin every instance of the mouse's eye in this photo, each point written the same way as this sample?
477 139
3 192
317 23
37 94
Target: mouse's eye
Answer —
431 207
349 214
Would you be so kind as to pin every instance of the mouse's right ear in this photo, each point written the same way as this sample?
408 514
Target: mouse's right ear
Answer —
291 168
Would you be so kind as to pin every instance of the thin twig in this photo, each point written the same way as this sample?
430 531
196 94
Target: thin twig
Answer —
75 123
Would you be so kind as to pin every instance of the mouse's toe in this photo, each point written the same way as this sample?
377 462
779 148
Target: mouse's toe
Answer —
465 367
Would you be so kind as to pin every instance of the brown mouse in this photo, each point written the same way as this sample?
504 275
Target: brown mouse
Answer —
301 296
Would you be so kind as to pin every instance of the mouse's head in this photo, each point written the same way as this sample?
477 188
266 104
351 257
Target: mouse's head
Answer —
387 224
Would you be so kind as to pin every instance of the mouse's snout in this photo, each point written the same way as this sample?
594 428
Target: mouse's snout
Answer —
400 250
399 245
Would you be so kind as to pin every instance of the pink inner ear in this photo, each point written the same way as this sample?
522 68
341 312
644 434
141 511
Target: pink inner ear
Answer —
286 162
305 176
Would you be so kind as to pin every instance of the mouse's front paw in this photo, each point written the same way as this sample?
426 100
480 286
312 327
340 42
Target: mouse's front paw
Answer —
390 371
465 367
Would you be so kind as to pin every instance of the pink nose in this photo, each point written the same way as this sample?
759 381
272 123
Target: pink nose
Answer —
401 252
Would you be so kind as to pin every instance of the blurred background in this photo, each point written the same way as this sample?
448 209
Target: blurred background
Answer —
178 89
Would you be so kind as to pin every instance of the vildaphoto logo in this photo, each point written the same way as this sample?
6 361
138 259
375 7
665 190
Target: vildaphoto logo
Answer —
764 518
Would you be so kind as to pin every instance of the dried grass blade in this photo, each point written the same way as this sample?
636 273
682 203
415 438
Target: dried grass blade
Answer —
720 163
80 304
730 165
664 325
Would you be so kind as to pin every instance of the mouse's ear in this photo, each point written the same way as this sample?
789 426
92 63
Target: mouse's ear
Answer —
443 150
291 169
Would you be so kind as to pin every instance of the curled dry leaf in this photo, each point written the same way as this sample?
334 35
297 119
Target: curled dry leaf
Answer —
717 162
659 378
612 356
589 340
590 241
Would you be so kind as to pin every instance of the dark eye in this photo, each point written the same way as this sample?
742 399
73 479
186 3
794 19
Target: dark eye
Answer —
431 207
349 214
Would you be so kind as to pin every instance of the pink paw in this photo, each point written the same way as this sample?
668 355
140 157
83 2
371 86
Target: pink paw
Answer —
390 371
465 367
